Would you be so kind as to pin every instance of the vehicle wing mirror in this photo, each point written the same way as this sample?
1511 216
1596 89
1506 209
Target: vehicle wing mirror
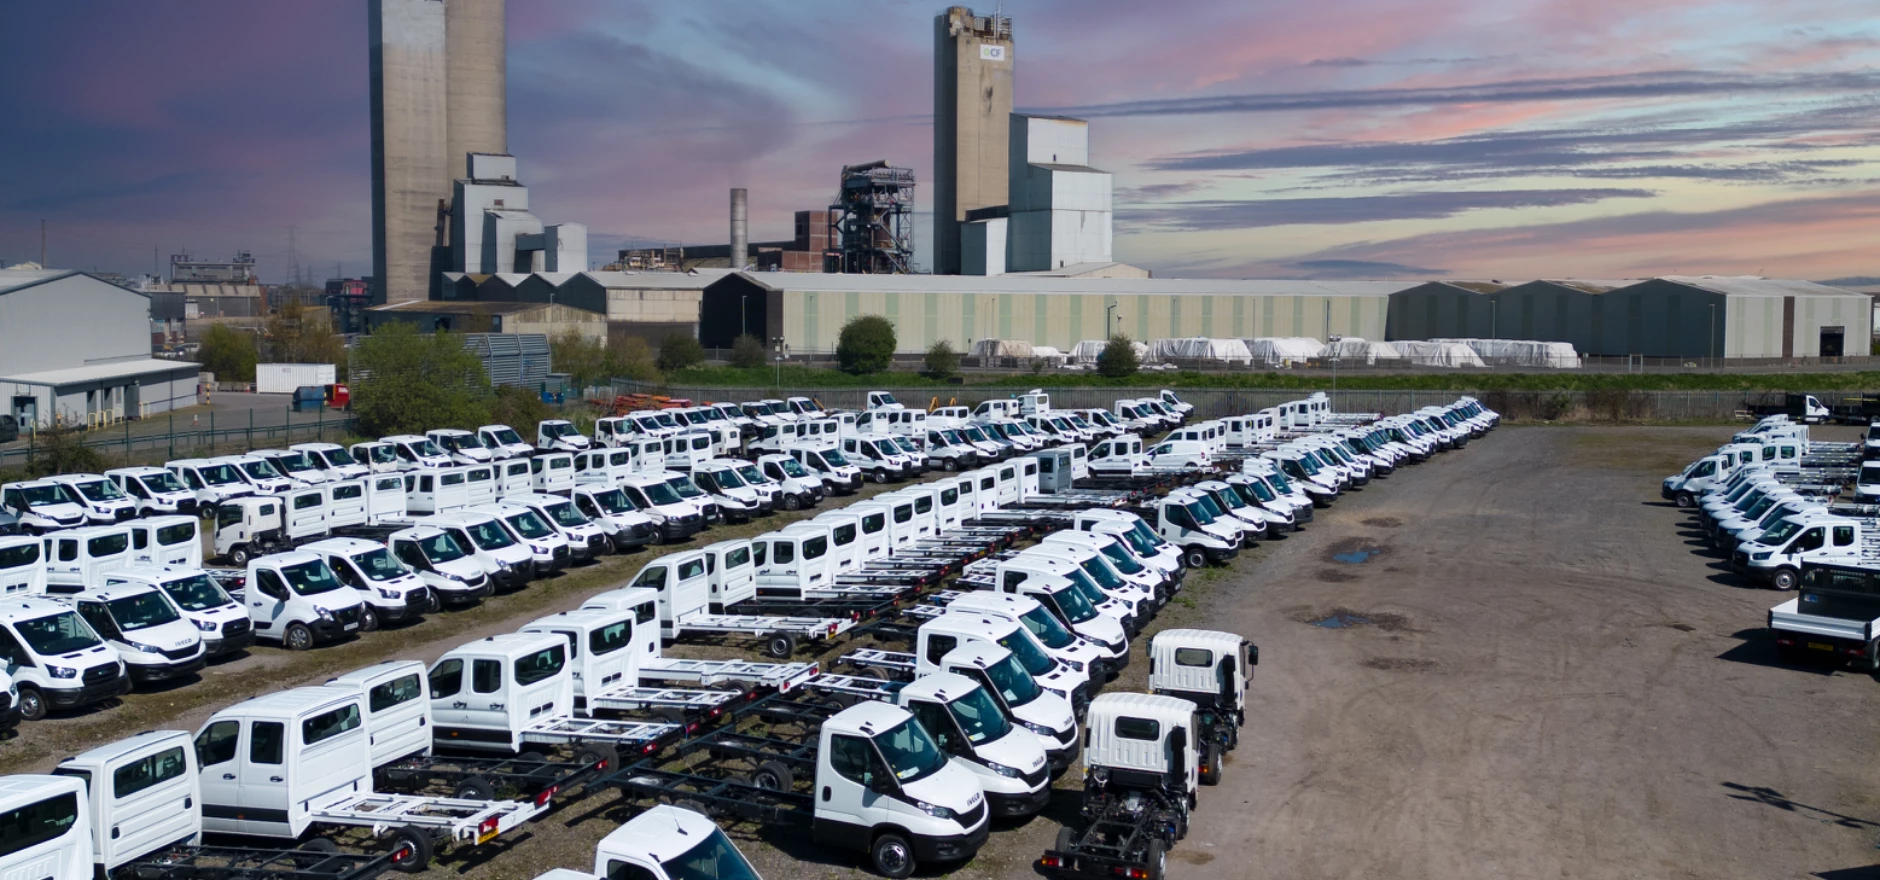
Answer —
1253 655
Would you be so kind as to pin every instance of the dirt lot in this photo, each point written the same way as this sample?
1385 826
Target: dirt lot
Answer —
1506 663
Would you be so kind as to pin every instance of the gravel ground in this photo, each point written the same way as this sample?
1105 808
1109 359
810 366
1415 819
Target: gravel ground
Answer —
1532 672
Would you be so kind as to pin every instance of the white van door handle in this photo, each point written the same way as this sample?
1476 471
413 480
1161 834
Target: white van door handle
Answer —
228 776
275 779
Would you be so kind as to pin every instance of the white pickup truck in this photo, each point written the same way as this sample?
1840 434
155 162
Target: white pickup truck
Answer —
1836 617
1818 536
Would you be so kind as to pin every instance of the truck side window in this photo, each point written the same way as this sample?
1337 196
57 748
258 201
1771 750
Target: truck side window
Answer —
653 578
1810 540
68 551
486 676
270 584
264 741
853 759
1843 536
140 539
1012 580
785 553
447 678
217 743
939 646
619 870
758 549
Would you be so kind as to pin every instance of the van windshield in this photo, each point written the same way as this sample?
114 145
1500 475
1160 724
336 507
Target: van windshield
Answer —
310 578
457 442
1120 557
336 457
752 475
1259 490
1779 533
728 478
564 515
980 717
162 481
1047 628
556 430
715 858
382 454
1080 601
441 547
1029 655
56 634
142 611
1102 574
791 468
293 462
99 490
489 536
912 754
46 493
196 592
506 436
684 487
1012 682
379 565
259 469
530 526
1200 512
659 494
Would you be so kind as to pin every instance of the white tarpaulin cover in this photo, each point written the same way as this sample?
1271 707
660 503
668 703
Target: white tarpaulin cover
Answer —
1283 351
1001 348
1087 351
1047 353
1438 354
1523 353
1353 349
1201 348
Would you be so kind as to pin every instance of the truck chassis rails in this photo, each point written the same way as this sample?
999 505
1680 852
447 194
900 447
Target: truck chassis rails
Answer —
185 862
1123 836
533 780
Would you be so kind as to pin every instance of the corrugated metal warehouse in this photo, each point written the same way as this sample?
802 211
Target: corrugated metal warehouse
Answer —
76 350
1689 317
807 310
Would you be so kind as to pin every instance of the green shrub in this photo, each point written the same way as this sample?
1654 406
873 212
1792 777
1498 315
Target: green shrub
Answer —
1118 359
942 360
866 345
747 353
680 350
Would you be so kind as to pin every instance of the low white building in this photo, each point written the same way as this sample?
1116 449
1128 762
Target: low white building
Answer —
75 350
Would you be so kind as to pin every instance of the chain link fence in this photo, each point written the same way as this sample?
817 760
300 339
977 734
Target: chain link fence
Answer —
165 438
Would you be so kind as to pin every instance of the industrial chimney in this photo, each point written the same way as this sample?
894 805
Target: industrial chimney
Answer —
740 228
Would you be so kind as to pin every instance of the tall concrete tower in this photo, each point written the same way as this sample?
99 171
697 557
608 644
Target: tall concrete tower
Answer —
438 80
972 108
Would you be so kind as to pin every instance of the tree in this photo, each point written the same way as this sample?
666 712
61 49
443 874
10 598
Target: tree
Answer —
680 350
228 353
298 335
747 353
633 358
942 360
405 382
866 345
519 408
63 451
585 359
1118 359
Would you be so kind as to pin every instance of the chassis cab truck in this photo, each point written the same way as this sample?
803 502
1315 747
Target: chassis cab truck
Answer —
1211 670
1834 618
155 489
49 830
300 760
1141 776
971 727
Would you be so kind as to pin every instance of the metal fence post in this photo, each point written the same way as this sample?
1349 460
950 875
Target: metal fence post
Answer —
127 442
172 437
251 428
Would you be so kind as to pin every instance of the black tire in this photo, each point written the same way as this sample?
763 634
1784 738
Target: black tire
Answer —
368 619
419 847
32 704
872 672
773 776
532 756
1211 764
319 845
433 603
779 645
1785 579
1066 839
950 464
1156 857
597 755
1686 501
791 501
298 637
474 788
892 856
1195 557
240 555
881 475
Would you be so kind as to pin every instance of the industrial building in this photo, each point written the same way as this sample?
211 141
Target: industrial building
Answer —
75 350
492 229
648 305
1683 317
972 100
547 319
439 83
807 311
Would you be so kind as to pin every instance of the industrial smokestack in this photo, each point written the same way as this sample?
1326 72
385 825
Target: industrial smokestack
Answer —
477 76
740 228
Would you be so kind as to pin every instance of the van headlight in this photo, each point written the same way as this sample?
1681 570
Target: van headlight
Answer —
141 647
1761 556
1038 729
1002 770
935 810
387 594
207 626
323 614
61 672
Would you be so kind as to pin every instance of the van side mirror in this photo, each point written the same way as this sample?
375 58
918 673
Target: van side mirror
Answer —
1253 655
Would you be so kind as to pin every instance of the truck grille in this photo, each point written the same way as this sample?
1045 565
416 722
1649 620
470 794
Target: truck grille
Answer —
186 506
973 816
419 598
1038 777
182 653
101 674
126 513
235 628
561 553
348 615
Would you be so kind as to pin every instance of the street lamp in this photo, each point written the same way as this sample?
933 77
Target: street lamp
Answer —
1109 322
1711 359
1334 339
783 351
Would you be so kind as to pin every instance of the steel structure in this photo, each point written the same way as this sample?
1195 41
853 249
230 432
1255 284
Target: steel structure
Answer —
871 224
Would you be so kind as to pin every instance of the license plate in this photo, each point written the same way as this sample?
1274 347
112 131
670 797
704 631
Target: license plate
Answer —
349 626
1820 646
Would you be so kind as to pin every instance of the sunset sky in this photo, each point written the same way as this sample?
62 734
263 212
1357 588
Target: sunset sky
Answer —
1252 138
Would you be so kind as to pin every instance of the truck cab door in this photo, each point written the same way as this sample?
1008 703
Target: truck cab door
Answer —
845 803
1842 544
261 766
217 749
1806 545
267 601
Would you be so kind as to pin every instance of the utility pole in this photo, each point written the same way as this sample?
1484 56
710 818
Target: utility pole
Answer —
293 255
42 242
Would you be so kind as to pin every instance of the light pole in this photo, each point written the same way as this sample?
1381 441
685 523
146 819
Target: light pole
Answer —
1109 321
1711 359
1494 313
1334 339
783 351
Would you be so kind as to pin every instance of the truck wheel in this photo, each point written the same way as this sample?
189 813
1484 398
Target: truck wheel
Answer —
240 554
474 788
951 464
319 845
1784 579
881 475
32 703
892 855
1066 839
779 645
433 603
298 637
1211 764
599 755
1195 557
1157 859
773 776
1686 501
792 502
416 849
368 619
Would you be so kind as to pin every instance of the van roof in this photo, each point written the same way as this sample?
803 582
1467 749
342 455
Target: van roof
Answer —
342 545
942 686
139 471
34 784
290 703
1199 638
579 617
663 833
991 602
359 677
110 751
867 718
1173 710
509 644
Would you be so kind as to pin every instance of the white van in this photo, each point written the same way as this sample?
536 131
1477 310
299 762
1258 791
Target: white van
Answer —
213 481
295 465
78 558
49 830
151 635
447 567
676 518
57 661
587 540
42 506
462 446
295 598
167 540
222 620
513 478
417 452
259 473
611 509
559 435
503 442
548 548
391 592
103 501
333 460
507 561
156 490
378 457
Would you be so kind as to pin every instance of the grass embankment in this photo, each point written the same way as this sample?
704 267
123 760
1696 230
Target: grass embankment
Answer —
814 377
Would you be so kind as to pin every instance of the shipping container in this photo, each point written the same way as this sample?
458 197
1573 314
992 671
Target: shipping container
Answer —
284 378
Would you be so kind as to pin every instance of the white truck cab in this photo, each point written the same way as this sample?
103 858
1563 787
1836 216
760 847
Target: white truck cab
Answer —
1212 670
295 598
140 795
1062 587
1044 712
54 840
509 563
56 660
881 462
665 843
22 566
103 501
725 479
552 472
798 486
1184 519
81 557
448 568
559 435
157 491
972 729
212 480
42 506
548 548
391 592
333 458
503 442
1069 648
586 538
941 634
826 459
378 456
417 452
149 632
674 518
167 540
295 465
462 446
260 474
886 788
222 621
611 510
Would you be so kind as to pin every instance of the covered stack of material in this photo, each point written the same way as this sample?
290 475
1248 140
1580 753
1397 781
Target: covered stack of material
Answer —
1352 349
1087 351
1438 354
1283 351
511 358
1201 348
1001 348
1523 353
1047 354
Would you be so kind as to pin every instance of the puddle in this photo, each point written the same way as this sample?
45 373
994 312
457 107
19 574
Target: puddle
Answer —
1355 557
1399 664
1341 619
1353 551
1346 618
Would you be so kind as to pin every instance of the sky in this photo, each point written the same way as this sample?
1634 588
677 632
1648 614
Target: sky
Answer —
1511 139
